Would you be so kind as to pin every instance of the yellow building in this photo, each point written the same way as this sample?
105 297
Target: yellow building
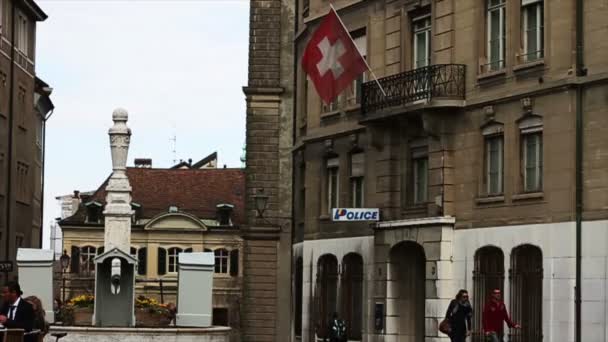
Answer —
176 210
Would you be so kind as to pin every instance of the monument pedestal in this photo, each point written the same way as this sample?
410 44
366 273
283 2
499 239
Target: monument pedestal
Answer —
36 276
195 287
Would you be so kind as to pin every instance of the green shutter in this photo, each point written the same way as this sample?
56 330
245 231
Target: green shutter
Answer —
162 261
142 255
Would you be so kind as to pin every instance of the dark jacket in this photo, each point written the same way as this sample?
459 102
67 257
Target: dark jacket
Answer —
459 316
24 318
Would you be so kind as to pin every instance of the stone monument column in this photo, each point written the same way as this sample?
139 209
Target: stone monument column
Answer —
118 209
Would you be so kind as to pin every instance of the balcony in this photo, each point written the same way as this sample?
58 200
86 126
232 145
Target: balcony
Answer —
435 85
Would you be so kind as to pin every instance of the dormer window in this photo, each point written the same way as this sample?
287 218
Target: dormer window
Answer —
93 212
224 214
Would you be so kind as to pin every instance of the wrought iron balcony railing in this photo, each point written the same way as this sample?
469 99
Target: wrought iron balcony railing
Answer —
439 81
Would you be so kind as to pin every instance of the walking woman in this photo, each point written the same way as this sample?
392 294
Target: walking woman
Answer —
459 316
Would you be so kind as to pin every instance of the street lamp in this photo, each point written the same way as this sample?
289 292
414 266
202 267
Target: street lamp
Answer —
261 201
65 262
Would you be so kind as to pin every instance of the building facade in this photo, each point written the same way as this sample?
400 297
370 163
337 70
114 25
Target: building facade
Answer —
493 109
175 211
24 108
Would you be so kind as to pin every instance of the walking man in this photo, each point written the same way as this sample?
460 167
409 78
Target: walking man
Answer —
493 318
16 312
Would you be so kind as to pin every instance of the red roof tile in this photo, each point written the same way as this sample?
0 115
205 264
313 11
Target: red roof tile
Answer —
195 191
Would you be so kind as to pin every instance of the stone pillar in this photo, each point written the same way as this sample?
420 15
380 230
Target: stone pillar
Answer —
36 276
118 199
195 287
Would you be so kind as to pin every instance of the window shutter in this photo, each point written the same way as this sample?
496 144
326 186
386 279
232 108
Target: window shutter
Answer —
100 250
75 260
234 262
142 256
162 261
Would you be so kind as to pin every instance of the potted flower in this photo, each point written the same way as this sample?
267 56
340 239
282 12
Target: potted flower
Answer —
150 313
79 310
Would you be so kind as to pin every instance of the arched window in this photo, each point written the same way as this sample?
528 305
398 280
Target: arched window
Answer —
221 261
87 263
352 294
326 292
526 279
489 274
299 278
173 258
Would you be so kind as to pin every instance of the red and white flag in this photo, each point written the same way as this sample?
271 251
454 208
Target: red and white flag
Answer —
331 58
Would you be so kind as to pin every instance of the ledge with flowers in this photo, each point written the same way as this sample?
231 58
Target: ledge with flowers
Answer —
148 311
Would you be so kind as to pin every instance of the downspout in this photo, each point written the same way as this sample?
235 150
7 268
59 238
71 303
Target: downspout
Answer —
580 72
293 167
44 120
9 172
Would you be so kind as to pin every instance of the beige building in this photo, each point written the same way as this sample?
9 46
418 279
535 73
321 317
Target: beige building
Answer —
177 210
472 159
24 108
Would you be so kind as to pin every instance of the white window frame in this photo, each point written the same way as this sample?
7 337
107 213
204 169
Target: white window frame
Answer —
538 168
23 37
538 6
218 255
361 44
357 187
87 258
173 256
425 30
500 167
501 8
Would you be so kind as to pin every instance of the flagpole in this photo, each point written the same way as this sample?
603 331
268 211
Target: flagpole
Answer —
352 40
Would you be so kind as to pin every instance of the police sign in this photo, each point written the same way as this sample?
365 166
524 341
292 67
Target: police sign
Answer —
355 214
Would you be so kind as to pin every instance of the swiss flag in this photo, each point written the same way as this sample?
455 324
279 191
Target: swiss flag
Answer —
331 58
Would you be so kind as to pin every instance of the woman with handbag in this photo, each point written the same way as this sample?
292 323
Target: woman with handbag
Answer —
458 317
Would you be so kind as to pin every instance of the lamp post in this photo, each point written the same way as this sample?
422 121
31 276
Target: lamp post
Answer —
65 262
261 201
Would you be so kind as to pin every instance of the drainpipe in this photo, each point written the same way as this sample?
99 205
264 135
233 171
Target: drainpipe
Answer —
580 72
44 120
293 169
9 158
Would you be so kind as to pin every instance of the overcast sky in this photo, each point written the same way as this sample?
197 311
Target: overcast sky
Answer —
178 67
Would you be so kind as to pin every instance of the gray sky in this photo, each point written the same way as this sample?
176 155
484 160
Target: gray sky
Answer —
177 66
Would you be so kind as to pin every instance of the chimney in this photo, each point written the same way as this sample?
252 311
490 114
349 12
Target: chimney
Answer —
143 163
75 203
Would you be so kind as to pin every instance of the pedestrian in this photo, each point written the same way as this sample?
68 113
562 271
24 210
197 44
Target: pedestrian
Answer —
16 312
493 318
40 322
459 316
337 329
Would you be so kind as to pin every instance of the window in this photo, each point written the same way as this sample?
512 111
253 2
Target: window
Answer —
142 258
495 18
532 154
19 240
93 212
299 293
361 43
494 164
220 317
22 33
87 260
332 184
357 166
305 8
23 182
221 261
421 29
419 171
173 259
532 29
133 252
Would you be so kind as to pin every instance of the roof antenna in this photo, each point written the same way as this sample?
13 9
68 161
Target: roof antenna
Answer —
174 145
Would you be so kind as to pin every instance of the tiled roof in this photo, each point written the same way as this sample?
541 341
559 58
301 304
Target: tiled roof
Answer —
195 191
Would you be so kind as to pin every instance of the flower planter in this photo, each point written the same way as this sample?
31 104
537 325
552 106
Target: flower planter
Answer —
151 318
82 316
